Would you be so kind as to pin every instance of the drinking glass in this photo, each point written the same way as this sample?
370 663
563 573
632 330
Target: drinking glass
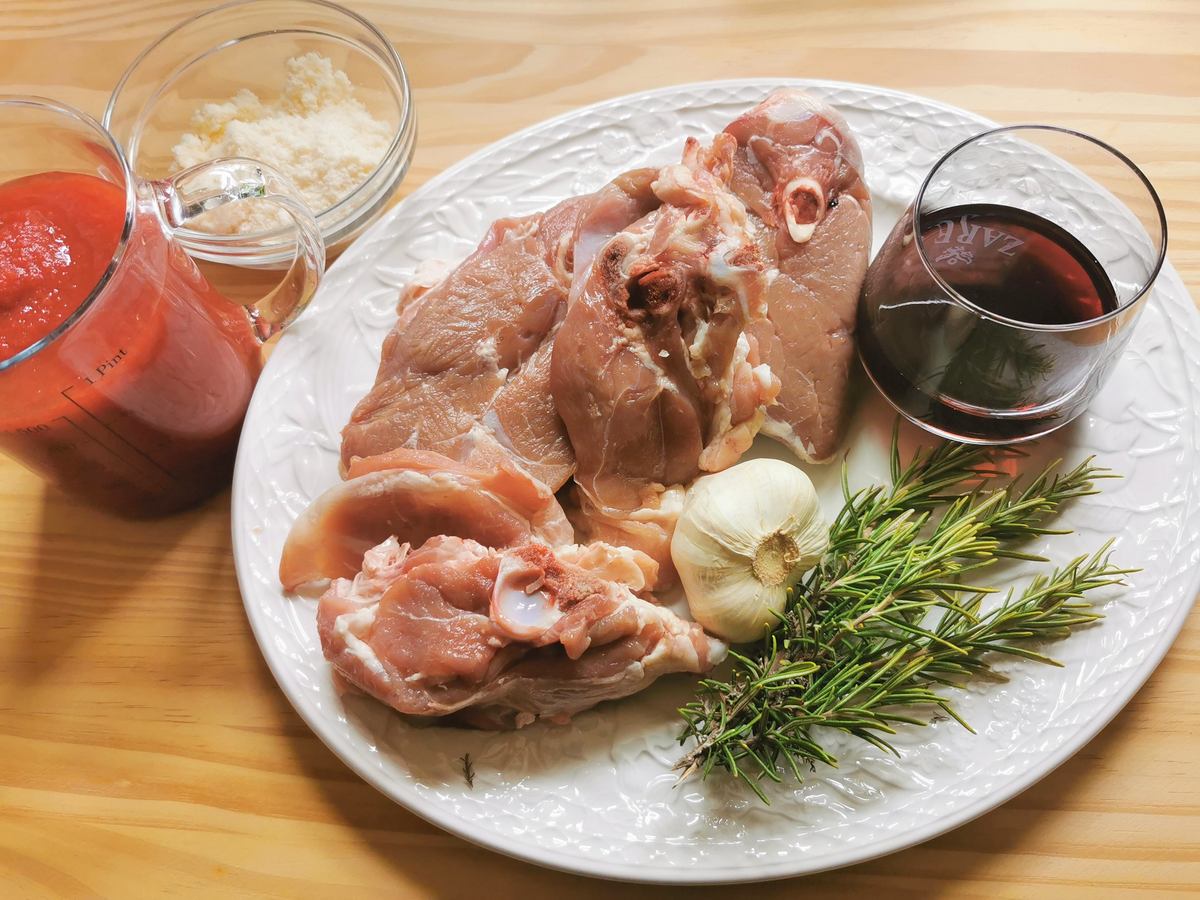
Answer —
1003 297
135 401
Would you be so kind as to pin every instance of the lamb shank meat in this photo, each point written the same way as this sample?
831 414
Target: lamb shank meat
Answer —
465 371
634 338
499 638
799 171
653 371
416 494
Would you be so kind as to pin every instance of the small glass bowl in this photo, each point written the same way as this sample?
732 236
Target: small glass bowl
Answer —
246 44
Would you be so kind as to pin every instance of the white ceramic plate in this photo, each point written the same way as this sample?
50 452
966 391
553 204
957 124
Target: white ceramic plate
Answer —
598 797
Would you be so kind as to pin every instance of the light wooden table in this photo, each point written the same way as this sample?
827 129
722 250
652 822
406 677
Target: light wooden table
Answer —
144 748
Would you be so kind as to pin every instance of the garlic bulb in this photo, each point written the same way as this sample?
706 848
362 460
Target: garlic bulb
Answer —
744 537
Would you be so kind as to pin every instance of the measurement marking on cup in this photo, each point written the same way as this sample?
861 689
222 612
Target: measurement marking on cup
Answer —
117 456
66 395
105 367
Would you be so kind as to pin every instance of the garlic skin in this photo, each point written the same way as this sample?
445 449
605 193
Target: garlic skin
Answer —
744 537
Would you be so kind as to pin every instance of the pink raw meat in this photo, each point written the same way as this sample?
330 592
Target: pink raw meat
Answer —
465 371
653 371
498 638
799 170
416 494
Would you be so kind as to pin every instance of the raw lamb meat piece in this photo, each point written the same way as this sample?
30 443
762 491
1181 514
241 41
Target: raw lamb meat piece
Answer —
636 338
499 638
465 371
728 309
457 347
653 371
799 170
416 494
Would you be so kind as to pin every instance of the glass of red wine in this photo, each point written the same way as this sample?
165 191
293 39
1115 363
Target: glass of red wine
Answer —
1004 296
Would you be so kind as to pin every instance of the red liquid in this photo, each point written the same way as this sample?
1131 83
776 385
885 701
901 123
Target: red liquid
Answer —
137 406
1017 265
58 232
970 376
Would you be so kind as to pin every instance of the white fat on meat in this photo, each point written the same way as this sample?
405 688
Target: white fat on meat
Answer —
380 567
349 627
728 439
624 565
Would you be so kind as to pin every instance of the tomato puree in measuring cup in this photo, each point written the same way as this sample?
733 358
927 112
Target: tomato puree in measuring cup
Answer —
136 405
58 233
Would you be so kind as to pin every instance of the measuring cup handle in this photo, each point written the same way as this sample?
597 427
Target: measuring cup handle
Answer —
209 185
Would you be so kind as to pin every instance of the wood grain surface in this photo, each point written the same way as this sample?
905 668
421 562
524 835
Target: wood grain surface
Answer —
144 748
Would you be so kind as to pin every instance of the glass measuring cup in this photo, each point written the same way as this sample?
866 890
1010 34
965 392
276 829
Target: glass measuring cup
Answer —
134 400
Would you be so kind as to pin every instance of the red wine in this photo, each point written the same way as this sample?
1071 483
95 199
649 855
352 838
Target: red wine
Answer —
988 369
1016 264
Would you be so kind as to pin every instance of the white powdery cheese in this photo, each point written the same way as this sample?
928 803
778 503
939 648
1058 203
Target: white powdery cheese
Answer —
317 133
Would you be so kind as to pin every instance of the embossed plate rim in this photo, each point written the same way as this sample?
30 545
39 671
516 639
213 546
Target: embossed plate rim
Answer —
447 818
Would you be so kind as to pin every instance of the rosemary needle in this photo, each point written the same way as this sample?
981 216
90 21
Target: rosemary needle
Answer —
468 769
856 651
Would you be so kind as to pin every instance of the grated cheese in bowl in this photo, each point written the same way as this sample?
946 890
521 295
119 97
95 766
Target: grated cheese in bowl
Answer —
316 132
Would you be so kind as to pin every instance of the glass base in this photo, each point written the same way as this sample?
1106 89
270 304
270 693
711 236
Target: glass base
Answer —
953 423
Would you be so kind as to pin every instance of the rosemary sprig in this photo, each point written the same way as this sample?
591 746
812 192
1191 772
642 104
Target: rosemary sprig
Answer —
856 651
